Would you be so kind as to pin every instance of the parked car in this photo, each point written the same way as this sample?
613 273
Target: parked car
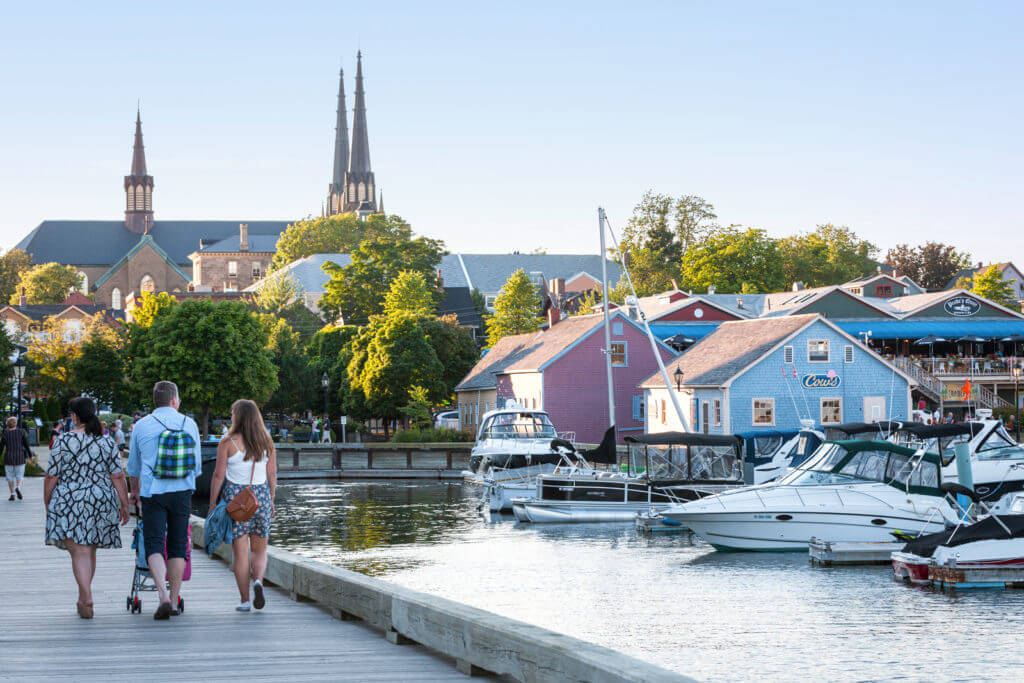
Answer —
447 419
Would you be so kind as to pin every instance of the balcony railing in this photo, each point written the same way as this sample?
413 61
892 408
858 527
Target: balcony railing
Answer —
967 365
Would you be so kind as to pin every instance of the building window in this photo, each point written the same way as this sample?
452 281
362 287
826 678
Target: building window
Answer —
787 354
232 268
663 415
883 290
149 199
489 302
831 411
147 284
764 412
230 287
115 299
617 329
140 198
257 270
619 359
817 350
848 353
131 197
85 282
694 407
718 412
638 408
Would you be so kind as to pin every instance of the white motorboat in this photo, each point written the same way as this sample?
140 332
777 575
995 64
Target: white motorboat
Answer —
769 455
856 490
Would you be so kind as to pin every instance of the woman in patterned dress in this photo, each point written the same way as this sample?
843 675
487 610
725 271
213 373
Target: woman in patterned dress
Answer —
85 495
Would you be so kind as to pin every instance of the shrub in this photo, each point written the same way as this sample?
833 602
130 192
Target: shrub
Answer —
444 435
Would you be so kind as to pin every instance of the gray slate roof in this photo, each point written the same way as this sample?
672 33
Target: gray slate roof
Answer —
718 357
102 243
229 245
488 272
306 272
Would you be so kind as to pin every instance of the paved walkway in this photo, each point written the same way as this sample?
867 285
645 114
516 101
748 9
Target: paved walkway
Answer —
42 638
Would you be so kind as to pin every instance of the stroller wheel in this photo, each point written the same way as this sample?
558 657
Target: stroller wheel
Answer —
137 607
181 604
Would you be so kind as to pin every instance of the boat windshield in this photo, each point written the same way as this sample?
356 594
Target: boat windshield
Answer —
524 425
687 463
766 446
895 469
1000 446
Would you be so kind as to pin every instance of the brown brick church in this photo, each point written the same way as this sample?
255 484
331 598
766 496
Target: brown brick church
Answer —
143 253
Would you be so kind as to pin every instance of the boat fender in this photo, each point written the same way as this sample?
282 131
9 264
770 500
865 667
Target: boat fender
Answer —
671 522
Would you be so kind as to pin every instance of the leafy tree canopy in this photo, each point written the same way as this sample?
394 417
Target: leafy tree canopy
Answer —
277 293
585 304
516 309
931 265
47 283
6 368
53 352
990 284
12 265
100 370
410 294
734 259
338 234
297 382
150 306
828 256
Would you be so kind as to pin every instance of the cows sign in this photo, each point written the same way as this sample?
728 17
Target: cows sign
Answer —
961 306
830 380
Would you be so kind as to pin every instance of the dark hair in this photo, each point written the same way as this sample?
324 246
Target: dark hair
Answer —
163 393
85 410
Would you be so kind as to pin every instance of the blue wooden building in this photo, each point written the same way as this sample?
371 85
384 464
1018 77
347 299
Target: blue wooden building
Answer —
771 374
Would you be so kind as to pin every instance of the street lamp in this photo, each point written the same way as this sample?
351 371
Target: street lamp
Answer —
678 374
325 382
1016 399
19 374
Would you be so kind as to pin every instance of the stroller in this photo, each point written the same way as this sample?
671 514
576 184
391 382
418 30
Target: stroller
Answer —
142 580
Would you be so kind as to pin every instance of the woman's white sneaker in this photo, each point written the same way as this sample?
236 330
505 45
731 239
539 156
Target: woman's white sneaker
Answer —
244 607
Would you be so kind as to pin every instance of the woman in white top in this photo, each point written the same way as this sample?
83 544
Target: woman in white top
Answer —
246 458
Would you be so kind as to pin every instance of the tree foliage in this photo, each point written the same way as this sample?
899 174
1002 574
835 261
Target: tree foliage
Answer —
12 265
828 256
585 304
991 285
215 353
53 352
149 306
356 292
516 309
47 283
454 346
297 381
734 259
6 368
931 265
277 292
410 294
338 234
100 369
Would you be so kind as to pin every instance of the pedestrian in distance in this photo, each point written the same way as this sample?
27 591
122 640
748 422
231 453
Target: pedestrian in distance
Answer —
16 452
85 496
325 436
117 434
246 460
164 460
314 430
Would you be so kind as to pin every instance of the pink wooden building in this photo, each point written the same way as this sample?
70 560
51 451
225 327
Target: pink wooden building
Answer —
561 370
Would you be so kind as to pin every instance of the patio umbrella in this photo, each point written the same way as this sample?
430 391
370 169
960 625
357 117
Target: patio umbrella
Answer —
972 338
1014 338
679 340
932 339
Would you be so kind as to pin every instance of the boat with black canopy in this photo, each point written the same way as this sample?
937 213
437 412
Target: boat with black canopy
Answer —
769 454
664 469
882 429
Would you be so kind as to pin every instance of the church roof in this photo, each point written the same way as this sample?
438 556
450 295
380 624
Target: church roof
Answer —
143 241
102 243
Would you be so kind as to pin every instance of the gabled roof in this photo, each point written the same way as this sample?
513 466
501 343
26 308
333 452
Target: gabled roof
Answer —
789 303
907 306
261 244
145 240
483 375
972 272
459 301
868 279
307 272
488 272
44 311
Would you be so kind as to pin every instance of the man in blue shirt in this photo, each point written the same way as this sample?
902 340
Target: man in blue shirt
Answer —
166 503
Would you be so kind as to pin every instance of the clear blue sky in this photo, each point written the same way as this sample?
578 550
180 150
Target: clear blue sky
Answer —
504 127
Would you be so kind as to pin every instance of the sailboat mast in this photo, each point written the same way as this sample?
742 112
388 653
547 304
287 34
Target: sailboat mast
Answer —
607 324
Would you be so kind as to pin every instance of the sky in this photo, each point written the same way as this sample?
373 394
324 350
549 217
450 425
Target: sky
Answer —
503 126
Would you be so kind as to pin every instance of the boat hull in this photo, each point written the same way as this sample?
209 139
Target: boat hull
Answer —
910 568
548 512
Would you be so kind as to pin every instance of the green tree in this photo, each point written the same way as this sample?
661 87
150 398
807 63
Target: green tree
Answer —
338 234
585 304
931 265
6 367
734 259
47 283
410 294
215 352
100 370
356 292
53 353
297 382
328 352
12 265
516 309
277 292
417 408
991 285
150 306
828 256
454 346
479 303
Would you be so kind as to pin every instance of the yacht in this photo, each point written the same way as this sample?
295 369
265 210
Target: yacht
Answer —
664 469
855 490
768 455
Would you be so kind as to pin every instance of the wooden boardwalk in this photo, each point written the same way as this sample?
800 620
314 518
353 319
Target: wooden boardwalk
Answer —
42 638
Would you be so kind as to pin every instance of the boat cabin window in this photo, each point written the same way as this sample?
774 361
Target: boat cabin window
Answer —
868 465
899 469
766 446
693 463
523 425
997 441
925 474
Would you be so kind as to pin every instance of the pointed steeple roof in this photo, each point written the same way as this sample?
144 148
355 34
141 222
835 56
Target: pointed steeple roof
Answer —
359 161
138 152
340 138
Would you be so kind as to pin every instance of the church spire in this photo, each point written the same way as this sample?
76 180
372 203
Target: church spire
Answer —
138 187
359 162
340 138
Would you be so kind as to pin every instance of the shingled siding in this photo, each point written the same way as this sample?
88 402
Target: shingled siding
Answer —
866 376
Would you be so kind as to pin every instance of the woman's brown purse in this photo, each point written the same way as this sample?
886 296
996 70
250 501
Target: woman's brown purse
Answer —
244 505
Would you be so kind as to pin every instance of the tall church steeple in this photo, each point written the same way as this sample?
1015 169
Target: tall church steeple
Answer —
353 187
138 188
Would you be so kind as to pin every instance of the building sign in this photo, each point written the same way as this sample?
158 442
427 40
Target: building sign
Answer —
959 392
961 306
829 380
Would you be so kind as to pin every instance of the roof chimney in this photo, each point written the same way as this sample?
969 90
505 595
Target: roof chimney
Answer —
554 315
798 286
243 233
980 265
711 289
22 300
739 302
558 287
440 279
675 285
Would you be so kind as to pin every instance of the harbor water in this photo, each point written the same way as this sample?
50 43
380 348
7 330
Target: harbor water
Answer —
669 599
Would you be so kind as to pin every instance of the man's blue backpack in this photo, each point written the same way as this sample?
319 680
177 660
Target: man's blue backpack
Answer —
175 453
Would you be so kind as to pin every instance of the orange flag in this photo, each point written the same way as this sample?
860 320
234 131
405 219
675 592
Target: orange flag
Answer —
967 390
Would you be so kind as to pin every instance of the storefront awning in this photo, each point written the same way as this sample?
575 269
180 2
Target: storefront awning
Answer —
916 329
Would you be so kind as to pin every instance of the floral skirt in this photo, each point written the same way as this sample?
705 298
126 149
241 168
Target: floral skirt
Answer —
259 523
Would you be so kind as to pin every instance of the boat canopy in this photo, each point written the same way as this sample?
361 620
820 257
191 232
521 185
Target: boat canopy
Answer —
683 439
839 462
940 431
984 530
850 429
760 445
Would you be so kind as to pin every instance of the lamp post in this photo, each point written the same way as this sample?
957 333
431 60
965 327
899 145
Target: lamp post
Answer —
325 382
19 374
678 375
1016 399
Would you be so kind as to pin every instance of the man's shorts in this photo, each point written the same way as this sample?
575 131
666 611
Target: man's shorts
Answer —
14 473
166 514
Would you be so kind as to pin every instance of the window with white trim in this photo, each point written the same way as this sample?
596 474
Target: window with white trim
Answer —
147 284
619 356
763 412
489 301
832 411
257 270
848 353
115 299
717 404
694 409
817 351
787 354
638 408
232 268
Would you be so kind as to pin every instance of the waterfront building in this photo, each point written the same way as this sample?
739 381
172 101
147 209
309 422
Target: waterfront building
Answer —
1007 270
771 374
72 315
561 370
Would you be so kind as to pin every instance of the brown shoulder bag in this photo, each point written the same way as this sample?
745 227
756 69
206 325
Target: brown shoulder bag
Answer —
244 505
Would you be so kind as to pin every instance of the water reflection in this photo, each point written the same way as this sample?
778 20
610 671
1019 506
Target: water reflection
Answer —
665 597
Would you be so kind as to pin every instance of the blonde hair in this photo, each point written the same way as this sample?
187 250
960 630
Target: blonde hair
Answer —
12 422
247 424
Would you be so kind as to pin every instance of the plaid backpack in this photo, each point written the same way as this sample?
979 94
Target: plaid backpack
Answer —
175 453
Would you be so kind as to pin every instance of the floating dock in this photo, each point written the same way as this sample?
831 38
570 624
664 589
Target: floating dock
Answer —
961 576
842 553
650 522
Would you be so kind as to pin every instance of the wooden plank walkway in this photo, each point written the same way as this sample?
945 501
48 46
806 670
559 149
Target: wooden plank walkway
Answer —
42 638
